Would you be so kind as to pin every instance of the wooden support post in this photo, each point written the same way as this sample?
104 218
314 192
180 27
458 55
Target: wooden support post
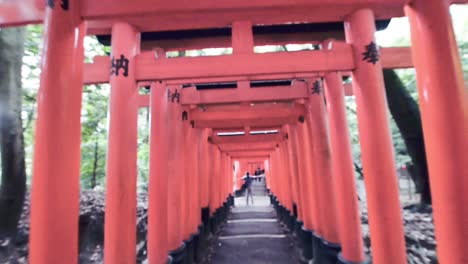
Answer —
204 160
55 196
285 177
120 218
185 184
191 177
349 221
308 178
213 179
444 112
242 38
276 172
196 174
158 175
298 205
316 119
267 168
386 227
222 177
175 227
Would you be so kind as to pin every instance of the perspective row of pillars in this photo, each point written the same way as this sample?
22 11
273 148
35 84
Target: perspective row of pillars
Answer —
327 203
187 174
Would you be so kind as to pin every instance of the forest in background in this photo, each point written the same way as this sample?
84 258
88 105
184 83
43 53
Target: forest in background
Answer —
95 102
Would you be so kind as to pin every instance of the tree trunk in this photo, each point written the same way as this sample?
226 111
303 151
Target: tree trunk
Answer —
13 183
96 158
405 112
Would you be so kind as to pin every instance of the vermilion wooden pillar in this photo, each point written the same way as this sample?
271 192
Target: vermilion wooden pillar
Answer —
316 118
309 179
303 185
271 178
158 175
294 173
222 177
444 111
267 168
213 180
229 175
196 180
215 177
380 177
120 215
56 177
175 177
286 191
204 177
191 178
278 173
349 221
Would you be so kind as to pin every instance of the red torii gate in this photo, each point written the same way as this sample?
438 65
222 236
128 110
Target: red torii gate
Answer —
444 115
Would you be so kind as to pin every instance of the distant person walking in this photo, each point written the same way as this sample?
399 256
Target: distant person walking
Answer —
248 187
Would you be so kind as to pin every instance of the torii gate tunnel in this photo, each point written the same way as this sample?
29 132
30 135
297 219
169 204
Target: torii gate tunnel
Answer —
307 151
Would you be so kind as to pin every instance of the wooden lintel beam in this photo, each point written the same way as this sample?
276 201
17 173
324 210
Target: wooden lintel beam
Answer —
241 129
225 41
396 58
269 150
160 15
251 160
246 156
150 68
247 146
191 96
273 138
281 65
20 13
261 116
248 153
259 77
150 15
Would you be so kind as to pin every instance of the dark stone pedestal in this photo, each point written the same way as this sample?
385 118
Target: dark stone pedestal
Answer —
341 260
189 250
305 238
324 252
179 255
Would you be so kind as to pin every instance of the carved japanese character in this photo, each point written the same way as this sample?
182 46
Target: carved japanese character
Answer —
64 4
51 3
371 54
316 87
117 64
175 97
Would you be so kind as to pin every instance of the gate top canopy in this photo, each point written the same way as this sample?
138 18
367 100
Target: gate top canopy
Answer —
160 15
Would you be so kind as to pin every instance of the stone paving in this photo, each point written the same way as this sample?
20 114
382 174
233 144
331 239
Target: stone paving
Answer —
253 235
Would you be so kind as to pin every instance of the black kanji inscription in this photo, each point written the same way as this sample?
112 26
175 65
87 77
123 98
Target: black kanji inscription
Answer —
175 97
51 3
316 87
117 64
184 115
64 4
372 54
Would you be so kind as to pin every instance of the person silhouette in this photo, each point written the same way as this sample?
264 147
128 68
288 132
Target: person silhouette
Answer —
248 187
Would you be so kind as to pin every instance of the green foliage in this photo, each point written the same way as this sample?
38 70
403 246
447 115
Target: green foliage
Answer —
94 135
30 82
143 147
